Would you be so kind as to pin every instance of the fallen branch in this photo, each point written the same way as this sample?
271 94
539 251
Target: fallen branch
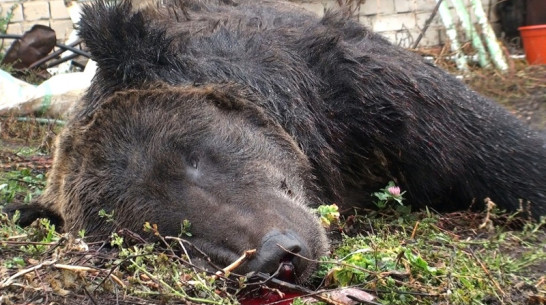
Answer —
10 280
248 254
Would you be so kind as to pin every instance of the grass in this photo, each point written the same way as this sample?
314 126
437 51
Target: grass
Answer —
422 258
400 257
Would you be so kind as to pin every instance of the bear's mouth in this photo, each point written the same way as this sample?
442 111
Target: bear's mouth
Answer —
286 271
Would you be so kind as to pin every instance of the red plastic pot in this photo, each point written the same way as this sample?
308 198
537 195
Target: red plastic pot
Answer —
534 43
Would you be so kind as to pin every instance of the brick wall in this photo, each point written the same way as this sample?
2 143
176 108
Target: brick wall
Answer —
400 21
52 13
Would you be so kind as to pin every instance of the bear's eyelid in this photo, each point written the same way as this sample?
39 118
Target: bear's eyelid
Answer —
194 161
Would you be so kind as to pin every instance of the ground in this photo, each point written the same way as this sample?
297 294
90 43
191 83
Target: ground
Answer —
397 256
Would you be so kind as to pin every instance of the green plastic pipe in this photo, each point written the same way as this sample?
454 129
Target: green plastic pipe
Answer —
451 32
471 33
497 56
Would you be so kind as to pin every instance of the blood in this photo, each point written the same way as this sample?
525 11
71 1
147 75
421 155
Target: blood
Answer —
267 296
263 296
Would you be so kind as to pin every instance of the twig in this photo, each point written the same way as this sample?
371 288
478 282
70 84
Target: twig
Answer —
487 221
17 242
414 230
246 255
427 24
89 269
9 281
75 268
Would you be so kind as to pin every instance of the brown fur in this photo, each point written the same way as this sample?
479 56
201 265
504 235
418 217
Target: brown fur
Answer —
238 116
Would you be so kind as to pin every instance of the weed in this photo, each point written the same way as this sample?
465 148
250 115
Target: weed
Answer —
427 264
22 185
329 214
4 21
388 194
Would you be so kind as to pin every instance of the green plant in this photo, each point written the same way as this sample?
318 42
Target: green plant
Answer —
388 194
4 21
22 185
185 228
328 214
108 216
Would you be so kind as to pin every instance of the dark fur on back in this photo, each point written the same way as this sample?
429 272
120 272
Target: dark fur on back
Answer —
250 111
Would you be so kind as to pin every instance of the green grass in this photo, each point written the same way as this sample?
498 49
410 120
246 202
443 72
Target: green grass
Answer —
399 256
22 185
415 260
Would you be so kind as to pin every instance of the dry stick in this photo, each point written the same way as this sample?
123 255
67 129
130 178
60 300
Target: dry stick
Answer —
9 242
10 280
490 205
17 237
427 24
246 255
89 269
414 230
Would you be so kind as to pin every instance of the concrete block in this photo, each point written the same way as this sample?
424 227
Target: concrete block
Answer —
389 36
17 11
406 38
372 7
367 21
431 37
13 29
62 28
317 8
330 4
27 25
404 6
36 10
394 22
58 10
421 19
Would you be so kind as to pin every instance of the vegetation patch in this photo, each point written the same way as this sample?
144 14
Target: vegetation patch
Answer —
392 254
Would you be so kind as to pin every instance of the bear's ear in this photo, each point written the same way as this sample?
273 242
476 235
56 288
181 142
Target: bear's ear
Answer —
30 212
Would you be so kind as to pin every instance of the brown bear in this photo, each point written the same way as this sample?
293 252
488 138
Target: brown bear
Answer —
239 116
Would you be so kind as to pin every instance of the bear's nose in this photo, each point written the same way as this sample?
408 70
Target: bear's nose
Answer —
275 254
